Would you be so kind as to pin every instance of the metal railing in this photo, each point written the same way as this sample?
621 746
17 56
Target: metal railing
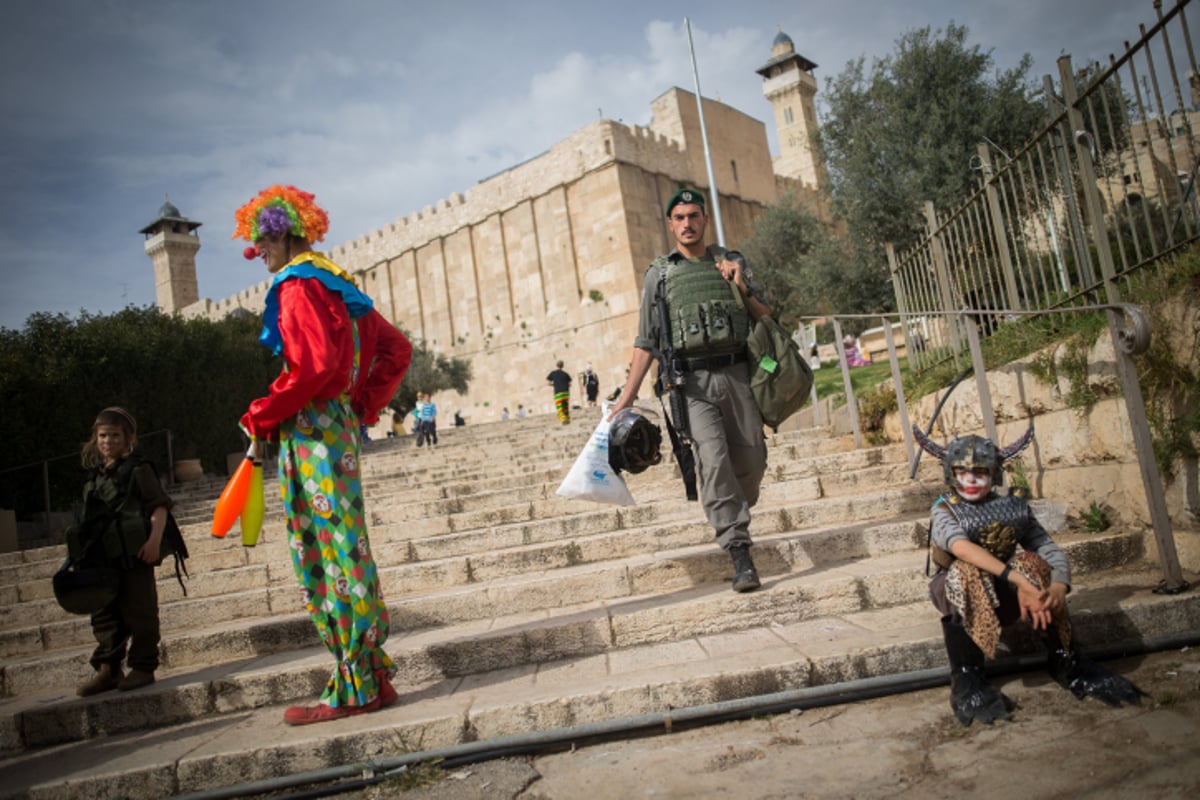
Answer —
1129 328
1104 190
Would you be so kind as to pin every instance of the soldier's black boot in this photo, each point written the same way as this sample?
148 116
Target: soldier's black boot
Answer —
745 576
971 696
1084 678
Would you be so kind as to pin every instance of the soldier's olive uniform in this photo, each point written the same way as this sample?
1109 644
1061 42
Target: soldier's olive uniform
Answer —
709 330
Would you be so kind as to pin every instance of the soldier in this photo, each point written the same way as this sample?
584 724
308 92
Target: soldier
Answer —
708 331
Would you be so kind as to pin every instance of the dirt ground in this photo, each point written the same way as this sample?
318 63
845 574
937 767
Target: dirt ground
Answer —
905 746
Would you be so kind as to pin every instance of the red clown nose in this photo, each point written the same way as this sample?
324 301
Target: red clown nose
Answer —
250 253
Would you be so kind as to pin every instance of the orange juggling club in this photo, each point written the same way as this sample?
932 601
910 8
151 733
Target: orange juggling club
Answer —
252 511
233 496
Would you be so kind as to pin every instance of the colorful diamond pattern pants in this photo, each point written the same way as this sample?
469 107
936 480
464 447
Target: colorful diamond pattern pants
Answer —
327 535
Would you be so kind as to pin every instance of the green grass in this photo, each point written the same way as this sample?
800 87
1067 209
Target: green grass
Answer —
828 379
1170 382
1011 341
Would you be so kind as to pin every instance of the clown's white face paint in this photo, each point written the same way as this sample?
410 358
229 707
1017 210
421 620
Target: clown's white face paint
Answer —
973 484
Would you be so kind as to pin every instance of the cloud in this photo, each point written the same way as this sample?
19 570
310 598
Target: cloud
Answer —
380 108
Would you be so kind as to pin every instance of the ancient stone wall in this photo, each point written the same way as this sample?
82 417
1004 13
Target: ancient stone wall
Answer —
544 261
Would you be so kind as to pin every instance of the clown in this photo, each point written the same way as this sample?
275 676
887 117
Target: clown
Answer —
983 583
342 364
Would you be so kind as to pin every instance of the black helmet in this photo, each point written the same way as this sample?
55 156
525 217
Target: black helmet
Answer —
633 442
85 589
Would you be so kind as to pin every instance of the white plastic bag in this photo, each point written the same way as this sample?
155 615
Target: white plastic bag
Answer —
591 477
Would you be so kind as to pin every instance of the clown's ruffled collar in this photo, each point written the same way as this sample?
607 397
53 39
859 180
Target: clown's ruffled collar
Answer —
310 264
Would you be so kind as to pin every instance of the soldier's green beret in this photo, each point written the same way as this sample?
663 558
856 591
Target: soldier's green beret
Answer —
686 197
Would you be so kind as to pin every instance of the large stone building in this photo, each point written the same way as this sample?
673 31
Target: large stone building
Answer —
545 260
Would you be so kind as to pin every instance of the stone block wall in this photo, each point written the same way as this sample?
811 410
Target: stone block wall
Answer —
1076 457
544 261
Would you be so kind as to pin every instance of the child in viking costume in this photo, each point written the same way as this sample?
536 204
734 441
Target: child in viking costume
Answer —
983 583
342 364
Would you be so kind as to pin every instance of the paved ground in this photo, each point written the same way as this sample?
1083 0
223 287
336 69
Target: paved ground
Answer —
905 746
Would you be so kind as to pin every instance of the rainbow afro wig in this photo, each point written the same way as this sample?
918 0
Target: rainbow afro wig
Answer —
281 209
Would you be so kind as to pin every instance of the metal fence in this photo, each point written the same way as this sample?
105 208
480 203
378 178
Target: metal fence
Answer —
1104 190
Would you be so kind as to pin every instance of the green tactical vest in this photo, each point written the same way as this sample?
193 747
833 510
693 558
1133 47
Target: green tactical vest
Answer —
705 317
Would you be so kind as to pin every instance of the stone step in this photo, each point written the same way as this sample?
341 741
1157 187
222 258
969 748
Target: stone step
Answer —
389 459
646 597
438 562
462 486
441 559
457 649
844 474
393 460
446 463
223 726
424 465
856 472
512 610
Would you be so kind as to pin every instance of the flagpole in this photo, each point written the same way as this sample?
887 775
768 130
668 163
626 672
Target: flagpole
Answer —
712 180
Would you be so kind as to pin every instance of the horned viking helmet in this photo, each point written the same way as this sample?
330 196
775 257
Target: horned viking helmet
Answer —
973 452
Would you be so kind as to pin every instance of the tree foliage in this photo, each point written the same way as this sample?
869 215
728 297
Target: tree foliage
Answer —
192 377
806 269
905 131
430 372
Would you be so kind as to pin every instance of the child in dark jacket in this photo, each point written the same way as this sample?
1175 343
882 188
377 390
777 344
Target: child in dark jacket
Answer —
125 512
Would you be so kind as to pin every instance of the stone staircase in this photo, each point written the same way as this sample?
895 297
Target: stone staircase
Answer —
512 611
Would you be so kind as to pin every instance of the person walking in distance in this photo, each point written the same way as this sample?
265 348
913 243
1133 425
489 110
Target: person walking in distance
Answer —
709 327
591 384
428 421
561 381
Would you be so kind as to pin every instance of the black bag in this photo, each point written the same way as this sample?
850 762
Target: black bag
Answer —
782 377
83 588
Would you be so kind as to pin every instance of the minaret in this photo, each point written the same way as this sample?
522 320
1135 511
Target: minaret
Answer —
171 243
789 84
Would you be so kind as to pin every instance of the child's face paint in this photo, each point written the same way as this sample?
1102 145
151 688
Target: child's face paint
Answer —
973 484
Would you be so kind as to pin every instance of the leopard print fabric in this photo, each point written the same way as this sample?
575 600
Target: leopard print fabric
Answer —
972 592
1037 571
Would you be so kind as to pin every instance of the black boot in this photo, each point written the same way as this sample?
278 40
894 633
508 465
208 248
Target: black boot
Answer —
971 697
745 576
1072 670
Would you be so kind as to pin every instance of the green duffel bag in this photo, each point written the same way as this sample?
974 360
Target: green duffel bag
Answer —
781 378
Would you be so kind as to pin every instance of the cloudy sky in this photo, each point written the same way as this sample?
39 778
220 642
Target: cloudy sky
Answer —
380 108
